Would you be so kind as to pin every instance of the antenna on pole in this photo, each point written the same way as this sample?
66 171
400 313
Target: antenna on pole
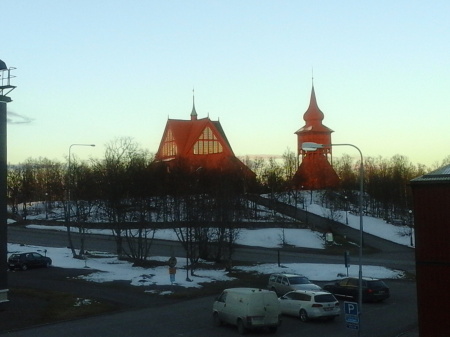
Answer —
5 82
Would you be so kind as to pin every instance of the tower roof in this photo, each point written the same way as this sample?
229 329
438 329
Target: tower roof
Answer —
313 117
313 113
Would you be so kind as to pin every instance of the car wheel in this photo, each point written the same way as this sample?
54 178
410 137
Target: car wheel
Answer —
303 315
216 319
273 329
241 328
24 267
48 264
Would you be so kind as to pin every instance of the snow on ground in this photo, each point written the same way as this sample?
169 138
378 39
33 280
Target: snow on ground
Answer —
107 268
266 237
371 225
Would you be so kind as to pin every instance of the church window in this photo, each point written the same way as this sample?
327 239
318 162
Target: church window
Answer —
207 143
170 147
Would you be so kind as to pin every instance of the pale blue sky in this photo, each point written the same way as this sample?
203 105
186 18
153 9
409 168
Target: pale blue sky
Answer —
91 71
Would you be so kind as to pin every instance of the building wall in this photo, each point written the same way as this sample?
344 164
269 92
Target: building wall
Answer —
432 237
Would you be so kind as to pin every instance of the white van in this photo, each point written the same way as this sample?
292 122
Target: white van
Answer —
247 308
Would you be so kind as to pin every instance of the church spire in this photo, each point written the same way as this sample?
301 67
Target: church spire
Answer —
313 113
193 112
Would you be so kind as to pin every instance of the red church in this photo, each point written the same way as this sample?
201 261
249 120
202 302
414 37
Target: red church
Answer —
315 170
199 143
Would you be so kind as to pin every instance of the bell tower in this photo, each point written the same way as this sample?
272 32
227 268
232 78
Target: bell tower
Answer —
315 170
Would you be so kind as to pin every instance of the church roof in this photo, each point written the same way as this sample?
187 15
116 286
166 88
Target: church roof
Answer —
187 132
198 143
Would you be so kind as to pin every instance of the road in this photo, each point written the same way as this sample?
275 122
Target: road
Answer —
386 253
394 317
391 256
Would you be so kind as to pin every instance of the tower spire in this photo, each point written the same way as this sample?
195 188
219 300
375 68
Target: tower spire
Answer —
313 114
193 112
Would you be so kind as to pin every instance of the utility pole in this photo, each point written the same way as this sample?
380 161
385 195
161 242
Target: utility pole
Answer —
5 89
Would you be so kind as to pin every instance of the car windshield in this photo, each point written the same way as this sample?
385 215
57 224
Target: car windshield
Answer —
15 256
324 298
298 280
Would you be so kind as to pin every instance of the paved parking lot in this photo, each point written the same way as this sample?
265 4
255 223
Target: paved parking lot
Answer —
141 314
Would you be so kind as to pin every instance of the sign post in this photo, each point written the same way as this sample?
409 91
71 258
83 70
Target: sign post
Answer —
351 315
347 260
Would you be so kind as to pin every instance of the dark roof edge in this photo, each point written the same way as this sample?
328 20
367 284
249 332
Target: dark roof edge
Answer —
439 176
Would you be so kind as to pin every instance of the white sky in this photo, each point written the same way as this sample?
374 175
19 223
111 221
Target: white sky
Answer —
91 71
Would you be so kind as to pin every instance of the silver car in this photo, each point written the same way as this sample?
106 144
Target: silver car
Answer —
283 283
307 304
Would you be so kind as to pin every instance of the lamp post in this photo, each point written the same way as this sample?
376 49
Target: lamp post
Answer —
5 88
346 210
310 146
68 195
411 226
303 198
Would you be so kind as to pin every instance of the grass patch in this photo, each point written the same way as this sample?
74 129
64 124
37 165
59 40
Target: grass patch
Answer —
58 306
240 279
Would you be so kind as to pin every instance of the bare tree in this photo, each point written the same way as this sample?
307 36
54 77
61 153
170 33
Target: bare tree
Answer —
115 184
289 164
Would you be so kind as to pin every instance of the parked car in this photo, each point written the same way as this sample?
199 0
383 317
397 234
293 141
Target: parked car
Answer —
247 308
373 290
310 304
28 260
283 283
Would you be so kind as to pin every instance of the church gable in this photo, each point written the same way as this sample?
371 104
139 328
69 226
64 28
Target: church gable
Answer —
199 143
207 143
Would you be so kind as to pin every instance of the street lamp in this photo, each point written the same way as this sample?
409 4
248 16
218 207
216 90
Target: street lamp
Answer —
310 146
346 210
68 195
411 226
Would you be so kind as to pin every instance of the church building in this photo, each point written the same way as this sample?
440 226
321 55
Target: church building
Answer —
315 170
199 143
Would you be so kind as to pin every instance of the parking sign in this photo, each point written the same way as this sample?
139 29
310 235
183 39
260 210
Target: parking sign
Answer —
351 308
351 315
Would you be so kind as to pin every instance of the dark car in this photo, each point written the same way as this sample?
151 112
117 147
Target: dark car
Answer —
28 260
373 290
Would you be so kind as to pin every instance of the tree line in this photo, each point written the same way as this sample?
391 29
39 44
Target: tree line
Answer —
387 193
134 196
